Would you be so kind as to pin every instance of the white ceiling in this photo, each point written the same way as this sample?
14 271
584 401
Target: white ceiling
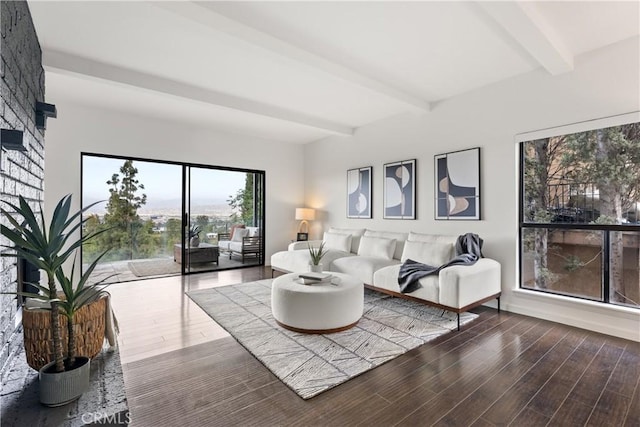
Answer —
302 71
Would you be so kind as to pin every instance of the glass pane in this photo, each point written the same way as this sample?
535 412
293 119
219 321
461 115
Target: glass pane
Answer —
221 201
140 212
624 269
583 177
567 262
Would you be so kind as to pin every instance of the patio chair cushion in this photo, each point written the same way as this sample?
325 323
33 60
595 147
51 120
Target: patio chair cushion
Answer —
238 234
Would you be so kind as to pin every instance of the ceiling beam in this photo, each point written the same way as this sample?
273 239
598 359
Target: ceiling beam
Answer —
64 63
530 29
203 14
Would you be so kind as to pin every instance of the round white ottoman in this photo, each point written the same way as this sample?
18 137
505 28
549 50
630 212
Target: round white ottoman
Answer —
319 308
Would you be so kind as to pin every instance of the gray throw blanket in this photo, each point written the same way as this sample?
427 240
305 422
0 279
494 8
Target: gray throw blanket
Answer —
468 251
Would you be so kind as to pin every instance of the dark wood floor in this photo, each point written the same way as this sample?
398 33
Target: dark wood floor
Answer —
502 369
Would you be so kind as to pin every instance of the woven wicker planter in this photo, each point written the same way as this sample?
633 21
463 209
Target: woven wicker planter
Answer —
89 326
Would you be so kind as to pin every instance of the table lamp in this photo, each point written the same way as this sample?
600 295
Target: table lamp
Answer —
303 215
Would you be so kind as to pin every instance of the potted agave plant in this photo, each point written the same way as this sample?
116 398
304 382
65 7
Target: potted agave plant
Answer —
48 247
77 368
194 236
316 256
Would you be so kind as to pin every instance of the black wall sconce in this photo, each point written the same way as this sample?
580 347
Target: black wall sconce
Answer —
44 110
11 139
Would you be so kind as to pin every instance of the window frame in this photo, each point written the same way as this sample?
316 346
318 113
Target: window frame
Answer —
520 141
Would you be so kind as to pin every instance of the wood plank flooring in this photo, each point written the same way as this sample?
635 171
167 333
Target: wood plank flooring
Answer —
182 369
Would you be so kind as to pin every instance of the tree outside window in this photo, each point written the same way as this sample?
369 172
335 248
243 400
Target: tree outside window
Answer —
581 214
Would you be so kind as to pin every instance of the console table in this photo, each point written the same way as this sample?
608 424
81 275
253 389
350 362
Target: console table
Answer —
204 252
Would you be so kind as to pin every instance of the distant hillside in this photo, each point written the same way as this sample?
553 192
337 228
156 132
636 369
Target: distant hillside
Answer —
171 207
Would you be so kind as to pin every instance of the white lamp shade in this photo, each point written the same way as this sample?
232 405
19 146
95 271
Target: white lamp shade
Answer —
305 214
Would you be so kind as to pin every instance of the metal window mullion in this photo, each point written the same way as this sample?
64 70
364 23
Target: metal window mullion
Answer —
606 271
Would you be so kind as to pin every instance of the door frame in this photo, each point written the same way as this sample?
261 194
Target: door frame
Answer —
186 221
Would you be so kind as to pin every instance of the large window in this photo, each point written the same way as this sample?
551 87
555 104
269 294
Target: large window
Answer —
580 214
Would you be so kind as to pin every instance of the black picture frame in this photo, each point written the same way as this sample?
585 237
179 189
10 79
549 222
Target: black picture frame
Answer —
457 185
302 237
400 190
359 192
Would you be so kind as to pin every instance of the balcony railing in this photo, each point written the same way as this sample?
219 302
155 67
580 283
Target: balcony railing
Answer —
571 202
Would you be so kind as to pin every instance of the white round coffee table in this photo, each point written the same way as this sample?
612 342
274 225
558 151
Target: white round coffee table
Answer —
319 308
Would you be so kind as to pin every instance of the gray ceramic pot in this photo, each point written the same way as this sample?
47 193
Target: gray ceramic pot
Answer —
60 388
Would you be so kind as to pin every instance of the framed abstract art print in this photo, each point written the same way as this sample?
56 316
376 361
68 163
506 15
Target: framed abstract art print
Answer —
359 192
400 190
457 185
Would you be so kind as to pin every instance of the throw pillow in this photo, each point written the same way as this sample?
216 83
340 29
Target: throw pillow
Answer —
233 230
239 234
400 239
355 236
433 253
377 247
338 242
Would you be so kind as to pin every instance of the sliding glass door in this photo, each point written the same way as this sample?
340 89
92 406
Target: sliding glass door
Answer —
166 218
224 218
138 210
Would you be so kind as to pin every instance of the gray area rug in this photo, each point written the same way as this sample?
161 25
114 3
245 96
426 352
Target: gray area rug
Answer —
154 267
310 364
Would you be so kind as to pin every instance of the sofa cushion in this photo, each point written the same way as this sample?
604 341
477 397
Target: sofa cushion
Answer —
298 261
377 247
336 241
400 239
355 233
432 238
304 244
462 285
235 246
361 267
434 253
387 278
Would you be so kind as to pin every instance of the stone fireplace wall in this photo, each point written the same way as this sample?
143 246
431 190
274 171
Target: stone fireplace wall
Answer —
22 173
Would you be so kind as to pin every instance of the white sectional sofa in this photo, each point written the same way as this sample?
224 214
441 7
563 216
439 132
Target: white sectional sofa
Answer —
375 258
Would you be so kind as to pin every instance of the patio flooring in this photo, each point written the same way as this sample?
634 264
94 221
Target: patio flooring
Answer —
121 271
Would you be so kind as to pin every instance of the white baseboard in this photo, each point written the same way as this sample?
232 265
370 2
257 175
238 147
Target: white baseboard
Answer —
607 319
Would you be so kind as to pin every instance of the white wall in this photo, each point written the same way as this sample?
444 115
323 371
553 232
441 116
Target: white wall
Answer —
84 129
604 83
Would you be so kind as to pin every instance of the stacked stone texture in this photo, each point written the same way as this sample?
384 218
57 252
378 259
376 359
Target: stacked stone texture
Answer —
22 173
